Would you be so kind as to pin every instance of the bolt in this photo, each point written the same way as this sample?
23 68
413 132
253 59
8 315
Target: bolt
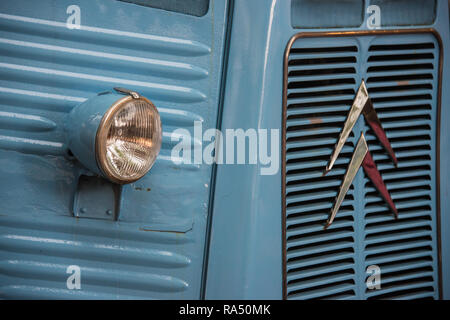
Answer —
109 212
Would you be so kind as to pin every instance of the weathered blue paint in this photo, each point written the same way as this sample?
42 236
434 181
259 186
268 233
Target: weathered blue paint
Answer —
82 125
327 14
245 254
245 249
96 197
155 249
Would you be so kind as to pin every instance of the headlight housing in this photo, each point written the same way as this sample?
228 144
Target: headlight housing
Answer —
117 136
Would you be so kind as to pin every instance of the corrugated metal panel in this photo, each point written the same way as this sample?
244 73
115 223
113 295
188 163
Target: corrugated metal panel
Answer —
116 262
324 74
40 78
155 249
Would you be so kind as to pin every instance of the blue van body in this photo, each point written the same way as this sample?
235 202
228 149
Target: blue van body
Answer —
211 231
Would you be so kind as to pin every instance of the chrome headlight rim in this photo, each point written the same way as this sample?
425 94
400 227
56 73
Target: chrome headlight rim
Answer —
102 134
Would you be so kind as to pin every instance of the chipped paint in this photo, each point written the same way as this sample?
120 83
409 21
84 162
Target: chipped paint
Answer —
315 120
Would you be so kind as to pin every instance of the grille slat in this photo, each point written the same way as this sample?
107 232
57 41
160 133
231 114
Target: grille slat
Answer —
399 255
316 78
319 55
422 103
292 89
317 152
322 81
396 289
329 99
318 119
315 206
401 63
298 132
376 233
309 259
404 133
312 272
331 289
401 95
320 281
296 229
319 217
406 245
331 66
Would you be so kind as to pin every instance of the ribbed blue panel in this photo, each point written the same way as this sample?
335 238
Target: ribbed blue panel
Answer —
155 249
401 72
115 264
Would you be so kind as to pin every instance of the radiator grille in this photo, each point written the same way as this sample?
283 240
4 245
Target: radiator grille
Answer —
401 80
323 75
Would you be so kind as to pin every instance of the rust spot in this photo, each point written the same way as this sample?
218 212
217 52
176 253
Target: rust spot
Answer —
142 189
315 120
402 83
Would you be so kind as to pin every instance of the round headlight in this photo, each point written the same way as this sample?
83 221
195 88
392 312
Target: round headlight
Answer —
128 139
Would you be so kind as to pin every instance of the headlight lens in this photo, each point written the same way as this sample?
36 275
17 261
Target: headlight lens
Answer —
128 139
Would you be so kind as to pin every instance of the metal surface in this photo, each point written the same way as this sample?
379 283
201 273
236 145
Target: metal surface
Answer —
174 59
134 94
155 249
361 104
82 127
357 159
372 120
244 256
368 33
370 168
357 107
96 198
245 226
361 157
